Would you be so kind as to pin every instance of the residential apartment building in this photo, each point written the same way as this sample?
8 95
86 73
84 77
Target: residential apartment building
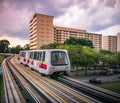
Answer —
42 32
110 43
63 33
118 42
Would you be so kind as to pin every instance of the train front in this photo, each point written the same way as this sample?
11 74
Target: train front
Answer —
60 62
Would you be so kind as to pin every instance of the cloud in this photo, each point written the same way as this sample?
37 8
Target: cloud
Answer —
90 15
14 20
112 30
69 19
14 41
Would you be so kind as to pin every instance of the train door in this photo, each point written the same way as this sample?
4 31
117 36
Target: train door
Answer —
21 56
39 59
35 60
30 61
24 57
43 63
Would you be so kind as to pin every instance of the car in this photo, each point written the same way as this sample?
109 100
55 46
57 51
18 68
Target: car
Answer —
73 69
106 71
95 80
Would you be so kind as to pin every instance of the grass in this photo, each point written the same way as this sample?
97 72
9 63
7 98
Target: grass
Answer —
1 80
1 88
1 58
113 86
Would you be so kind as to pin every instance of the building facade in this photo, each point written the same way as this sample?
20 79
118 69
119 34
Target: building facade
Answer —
110 43
63 33
118 42
42 32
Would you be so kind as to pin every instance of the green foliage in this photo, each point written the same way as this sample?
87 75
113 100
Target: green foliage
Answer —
72 41
66 47
118 58
1 87
79 55
105 52
49 46
1 58
4 46
79 41
113 86
108 58
75 55
88 56
85 56
27 47
16 49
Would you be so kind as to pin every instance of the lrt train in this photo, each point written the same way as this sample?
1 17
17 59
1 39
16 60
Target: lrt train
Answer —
46 62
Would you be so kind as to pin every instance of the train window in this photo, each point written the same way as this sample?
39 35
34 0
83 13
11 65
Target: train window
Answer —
23 54
35 55
31 55
59 58
39 56
43 57
20 54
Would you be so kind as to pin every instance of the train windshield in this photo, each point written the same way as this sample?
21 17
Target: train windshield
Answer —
59 58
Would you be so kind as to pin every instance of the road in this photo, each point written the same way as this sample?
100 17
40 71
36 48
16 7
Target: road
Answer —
103 78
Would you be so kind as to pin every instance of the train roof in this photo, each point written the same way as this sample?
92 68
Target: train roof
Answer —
43 50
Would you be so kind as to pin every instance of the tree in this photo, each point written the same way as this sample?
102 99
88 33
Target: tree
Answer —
108 58
66 47
74 52
49 46
80 56
96 58
79 41
75 56
26 47
88 57
118 59
72 41
85 42
4 46
16 49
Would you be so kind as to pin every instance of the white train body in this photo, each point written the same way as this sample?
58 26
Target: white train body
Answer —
46 62
24 57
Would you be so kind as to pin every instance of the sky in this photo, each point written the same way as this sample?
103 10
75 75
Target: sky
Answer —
97 16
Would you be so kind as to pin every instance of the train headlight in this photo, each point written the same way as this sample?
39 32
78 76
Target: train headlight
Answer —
43 65
52 68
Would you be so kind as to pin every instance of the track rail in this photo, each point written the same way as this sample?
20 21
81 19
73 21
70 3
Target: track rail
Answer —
46 93
17 89
35 93
100 94
36 88
57 91
11 92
